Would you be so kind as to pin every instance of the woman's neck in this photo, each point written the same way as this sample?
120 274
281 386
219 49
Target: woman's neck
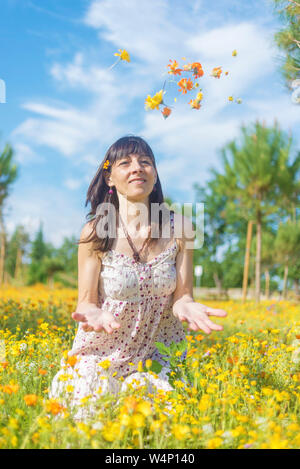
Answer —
135 214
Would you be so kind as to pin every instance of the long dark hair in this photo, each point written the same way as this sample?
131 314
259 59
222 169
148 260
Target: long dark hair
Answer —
98 190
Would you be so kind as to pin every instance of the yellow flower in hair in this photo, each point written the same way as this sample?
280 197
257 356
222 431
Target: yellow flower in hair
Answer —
106 164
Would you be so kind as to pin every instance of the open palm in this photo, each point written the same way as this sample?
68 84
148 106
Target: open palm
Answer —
197 316
94 319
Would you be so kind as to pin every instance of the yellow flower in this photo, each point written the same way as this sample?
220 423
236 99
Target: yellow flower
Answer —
144 408
125 420
148 363
214 443
230 98
123 54
180 431
155 425
155 101
234 53
105 364
140 367
137 421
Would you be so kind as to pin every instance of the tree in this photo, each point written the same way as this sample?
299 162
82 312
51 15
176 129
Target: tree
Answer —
40 250
256 177
50 267
8 174
287 245
15 251
214 232
288 38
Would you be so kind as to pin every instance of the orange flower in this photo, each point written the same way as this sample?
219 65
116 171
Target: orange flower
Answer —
195 104
216 72
197 70
166 112
173 69
10 388
106 164
72 360
185 85
30 399
199 337
233 359
130 403
54 407
4 364
42 372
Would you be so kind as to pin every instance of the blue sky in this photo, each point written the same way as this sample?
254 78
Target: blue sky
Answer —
64 108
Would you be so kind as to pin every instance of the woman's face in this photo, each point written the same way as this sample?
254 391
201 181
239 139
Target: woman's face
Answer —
133 176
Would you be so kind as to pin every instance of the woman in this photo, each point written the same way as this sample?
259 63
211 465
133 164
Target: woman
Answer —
135 286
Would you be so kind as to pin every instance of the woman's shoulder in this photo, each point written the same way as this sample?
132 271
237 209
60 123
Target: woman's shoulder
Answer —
183 228
86 234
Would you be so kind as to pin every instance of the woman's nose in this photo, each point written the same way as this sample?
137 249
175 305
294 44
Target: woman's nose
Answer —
136 166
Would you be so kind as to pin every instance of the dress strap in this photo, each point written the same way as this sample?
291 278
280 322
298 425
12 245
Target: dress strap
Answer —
172 223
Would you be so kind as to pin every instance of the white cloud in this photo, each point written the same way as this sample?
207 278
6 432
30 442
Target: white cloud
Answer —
41 203
24 154
72 183
144 28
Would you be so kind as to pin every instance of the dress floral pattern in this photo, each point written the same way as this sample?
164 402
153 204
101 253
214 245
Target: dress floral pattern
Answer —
139 295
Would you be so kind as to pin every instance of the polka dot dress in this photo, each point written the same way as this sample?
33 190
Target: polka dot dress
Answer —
139 295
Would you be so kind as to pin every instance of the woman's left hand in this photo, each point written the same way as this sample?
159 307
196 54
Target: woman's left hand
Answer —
197 316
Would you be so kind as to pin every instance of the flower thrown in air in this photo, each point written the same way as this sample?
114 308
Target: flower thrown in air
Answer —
123 54
155 101
173 68
166 112
216 72
197 70
195 104
185 85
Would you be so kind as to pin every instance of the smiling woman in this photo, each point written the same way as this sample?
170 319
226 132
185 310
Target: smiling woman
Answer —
131 294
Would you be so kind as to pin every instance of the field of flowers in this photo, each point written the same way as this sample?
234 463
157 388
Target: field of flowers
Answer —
244 392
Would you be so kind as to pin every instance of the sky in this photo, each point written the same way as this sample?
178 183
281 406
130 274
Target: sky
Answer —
65 106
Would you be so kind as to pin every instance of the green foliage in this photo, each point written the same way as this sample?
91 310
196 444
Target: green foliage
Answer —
288 38
8 172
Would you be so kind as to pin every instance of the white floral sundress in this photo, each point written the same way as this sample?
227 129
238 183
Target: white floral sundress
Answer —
140 296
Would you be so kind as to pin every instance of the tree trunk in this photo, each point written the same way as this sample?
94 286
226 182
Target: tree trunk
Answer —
51 282
258 258
2 250
285 276
267 289
247 257
218 282
296 287
18 263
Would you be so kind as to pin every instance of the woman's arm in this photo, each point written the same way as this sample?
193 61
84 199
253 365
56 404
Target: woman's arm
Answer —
184 306
87 311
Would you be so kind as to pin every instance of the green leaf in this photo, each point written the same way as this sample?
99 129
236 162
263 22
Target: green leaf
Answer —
156 367
162 348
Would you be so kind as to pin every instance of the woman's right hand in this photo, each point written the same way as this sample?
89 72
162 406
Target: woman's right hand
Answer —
94 319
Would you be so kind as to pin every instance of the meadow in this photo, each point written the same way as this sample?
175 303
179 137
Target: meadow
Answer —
244 390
